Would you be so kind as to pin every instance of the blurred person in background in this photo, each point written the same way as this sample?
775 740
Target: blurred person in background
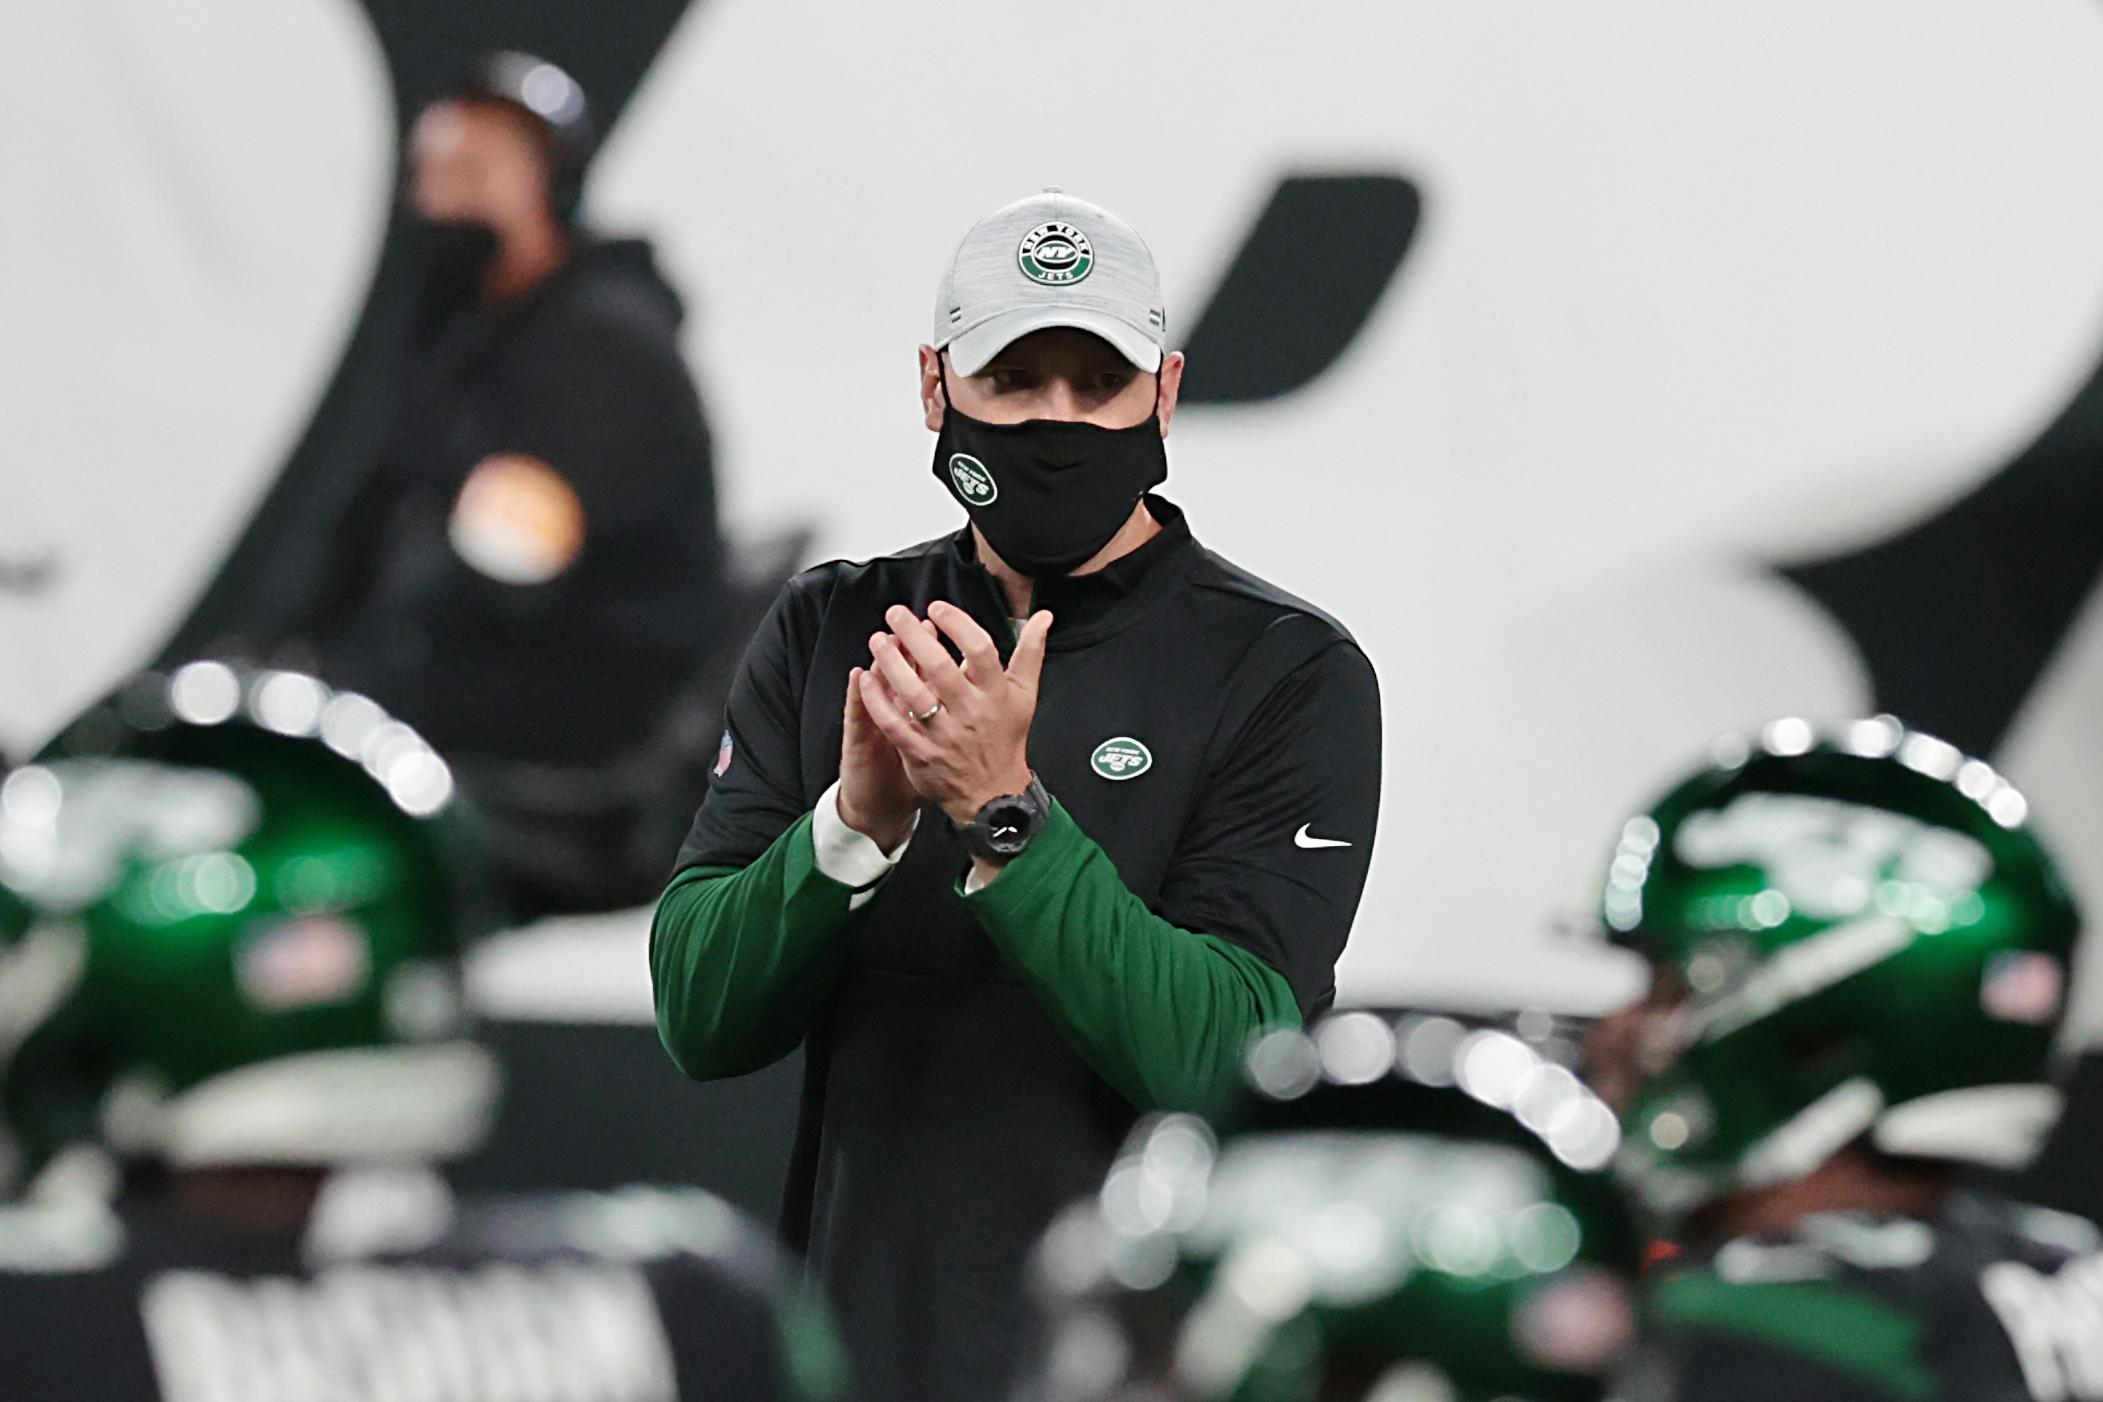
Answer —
531 573
1860 953
232 1054
1403 1212
1015 900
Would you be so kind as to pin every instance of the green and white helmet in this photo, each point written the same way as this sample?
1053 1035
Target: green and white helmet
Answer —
1403 1209
241 905
1872 942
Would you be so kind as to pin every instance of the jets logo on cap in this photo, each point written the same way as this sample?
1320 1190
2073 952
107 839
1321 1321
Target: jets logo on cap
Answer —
1121 758
1055 254
974 483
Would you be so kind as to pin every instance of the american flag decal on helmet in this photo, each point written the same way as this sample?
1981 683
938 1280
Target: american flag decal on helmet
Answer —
2022 986
723 754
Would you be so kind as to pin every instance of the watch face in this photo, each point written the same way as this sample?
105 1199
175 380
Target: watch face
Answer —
1007 826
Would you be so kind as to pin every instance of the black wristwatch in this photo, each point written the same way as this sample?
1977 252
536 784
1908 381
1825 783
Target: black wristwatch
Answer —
1004 827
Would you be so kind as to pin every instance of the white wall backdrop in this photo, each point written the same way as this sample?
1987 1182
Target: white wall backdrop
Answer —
1698 286
195 198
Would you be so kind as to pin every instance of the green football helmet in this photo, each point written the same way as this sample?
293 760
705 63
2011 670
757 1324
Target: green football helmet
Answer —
1401 1209
243 899
1859 934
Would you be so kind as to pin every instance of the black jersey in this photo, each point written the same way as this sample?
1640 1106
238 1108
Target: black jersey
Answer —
1993 1302
637 1296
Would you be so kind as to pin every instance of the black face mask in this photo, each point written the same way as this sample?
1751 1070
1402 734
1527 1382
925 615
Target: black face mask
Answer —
1047 495
454 256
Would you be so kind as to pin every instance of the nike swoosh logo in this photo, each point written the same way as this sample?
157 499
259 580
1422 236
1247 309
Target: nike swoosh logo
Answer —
1301 839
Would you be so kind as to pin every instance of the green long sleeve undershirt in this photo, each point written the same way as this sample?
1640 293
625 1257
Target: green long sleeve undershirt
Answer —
1161 1013
741 960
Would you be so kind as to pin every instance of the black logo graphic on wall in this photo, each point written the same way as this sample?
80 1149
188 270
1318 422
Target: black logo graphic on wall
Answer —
1956 617
1301 287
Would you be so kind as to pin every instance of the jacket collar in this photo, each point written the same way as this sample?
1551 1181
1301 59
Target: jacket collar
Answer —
1089 607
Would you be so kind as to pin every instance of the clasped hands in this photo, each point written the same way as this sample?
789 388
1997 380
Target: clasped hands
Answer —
922 727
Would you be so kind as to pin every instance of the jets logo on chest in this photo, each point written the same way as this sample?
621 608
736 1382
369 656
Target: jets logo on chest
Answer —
1121 758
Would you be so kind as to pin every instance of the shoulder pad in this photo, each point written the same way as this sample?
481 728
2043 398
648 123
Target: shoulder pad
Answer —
636 1224
1824 1323
59 1238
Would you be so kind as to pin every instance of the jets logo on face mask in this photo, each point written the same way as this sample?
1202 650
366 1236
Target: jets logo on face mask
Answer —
1121 758
1055 254
974 483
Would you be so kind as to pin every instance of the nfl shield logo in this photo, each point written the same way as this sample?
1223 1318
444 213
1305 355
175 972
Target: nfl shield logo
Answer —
723 754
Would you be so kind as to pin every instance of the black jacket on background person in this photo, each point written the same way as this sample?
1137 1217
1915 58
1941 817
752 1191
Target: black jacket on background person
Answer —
585 377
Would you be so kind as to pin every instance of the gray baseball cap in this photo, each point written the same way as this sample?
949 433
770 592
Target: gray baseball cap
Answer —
1049 260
